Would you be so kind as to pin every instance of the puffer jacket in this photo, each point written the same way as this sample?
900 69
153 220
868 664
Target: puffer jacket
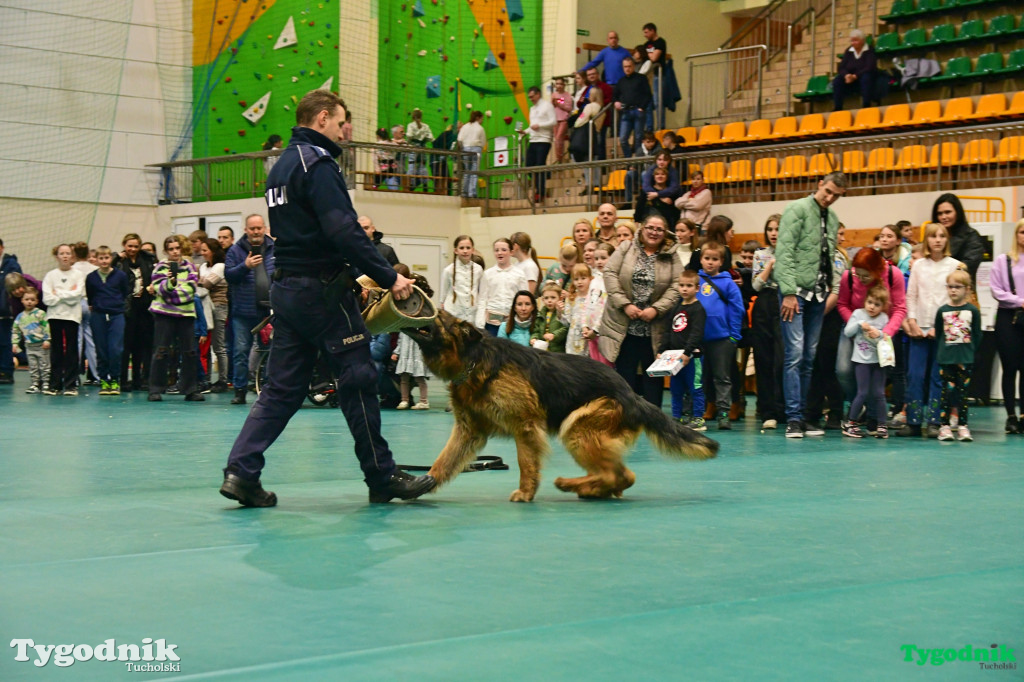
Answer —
618 281
797 252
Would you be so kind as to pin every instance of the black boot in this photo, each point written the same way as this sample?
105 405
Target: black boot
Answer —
403 486
247 493
239 398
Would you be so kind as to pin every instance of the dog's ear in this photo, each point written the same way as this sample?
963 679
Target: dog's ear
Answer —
472 334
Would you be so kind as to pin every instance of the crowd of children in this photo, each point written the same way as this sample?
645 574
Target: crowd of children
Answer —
902 305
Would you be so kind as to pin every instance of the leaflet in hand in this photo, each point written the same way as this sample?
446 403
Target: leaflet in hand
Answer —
669 364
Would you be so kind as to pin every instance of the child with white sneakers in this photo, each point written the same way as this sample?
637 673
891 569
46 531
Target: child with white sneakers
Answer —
32 331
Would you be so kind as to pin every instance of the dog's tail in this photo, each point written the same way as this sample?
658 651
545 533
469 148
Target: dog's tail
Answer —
671 437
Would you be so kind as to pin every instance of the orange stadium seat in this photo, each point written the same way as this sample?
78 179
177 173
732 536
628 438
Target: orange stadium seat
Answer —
960 109
947 154
739 171
1016 105
867 118
926 113
616 181
822 164
714 172
896 115
761 129
977 153
784 127
811 125
687 135
734 132
709 134
881 160
839 122
912 157
990 107
853 162
1011 149
766 169
794 167
658 134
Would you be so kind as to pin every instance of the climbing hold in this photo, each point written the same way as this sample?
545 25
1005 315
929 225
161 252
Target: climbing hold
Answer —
228 79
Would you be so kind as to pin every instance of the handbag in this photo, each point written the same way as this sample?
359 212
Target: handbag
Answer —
1018 315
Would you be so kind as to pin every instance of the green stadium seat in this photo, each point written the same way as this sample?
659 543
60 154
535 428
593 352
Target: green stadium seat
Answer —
969 30
942 34
900 8
1004 24
988 64
929 6
818 87
956 69
887 42
1014 62
914 38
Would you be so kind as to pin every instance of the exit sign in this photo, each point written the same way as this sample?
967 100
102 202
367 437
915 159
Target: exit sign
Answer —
582 32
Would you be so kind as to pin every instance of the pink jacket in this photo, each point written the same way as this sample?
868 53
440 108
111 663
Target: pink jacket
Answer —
853 299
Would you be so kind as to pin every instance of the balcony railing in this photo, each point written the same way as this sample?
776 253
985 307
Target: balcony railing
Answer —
383 167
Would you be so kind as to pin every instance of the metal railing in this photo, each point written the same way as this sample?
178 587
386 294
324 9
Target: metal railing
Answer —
937 160
731 72
384 167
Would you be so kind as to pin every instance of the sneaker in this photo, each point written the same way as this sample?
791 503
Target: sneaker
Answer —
219 387
933 430
421 405
853 430
698 424
945 432
833 423
1012 424
769 424
173 390
205 387
404 405
684 419
898 420
963 434
104 388
50 391
723 422
115 388
813 428
909 431
32 389
794 430
155 398
882 431
71 392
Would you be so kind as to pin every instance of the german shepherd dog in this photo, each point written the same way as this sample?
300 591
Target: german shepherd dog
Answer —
501 388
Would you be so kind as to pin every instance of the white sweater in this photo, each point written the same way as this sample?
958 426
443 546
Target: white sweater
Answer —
461 299
542 114
497 289
63 291
926 290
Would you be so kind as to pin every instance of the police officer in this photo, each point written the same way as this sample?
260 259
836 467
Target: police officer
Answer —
317 310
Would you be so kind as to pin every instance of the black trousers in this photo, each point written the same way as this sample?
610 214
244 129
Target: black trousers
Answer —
1010 345
138 343
824 382
167 332
766 341
635 356
537 155
63 355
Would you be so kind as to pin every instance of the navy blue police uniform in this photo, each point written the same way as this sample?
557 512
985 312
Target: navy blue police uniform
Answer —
317 237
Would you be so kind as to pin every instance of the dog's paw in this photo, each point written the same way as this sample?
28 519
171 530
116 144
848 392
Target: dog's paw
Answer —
520 496
564 484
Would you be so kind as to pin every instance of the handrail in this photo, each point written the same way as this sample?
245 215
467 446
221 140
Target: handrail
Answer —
764 50
789 51
748 27
734 49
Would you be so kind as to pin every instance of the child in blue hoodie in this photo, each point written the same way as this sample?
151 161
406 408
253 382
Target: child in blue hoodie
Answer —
723 306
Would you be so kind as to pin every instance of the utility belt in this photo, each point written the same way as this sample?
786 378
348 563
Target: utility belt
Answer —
328 276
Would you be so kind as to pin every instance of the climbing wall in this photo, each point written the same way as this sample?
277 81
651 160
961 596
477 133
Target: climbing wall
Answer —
448 57
252 62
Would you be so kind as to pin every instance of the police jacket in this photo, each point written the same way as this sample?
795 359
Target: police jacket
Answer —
241 280
315 226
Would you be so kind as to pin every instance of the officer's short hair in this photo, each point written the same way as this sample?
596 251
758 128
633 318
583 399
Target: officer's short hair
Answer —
313 103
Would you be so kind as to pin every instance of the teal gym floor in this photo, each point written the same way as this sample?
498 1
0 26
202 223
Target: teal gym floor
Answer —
819 559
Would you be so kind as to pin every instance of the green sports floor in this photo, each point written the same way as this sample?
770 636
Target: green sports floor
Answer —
821 559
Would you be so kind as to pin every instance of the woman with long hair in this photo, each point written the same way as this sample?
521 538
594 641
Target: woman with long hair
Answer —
1007 284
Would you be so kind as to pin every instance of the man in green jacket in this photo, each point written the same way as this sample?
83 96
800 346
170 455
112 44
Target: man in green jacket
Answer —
804 256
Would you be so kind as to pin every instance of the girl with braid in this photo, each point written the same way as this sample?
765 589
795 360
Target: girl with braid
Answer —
460 281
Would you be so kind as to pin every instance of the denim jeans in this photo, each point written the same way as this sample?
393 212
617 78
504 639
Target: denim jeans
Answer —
688 381
472 164
924 385
242 328
800 343
631 120
6 350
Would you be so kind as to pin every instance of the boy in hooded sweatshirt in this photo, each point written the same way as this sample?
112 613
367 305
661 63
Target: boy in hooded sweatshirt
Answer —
723 306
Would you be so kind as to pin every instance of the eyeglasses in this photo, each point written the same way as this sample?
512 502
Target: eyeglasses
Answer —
954 287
